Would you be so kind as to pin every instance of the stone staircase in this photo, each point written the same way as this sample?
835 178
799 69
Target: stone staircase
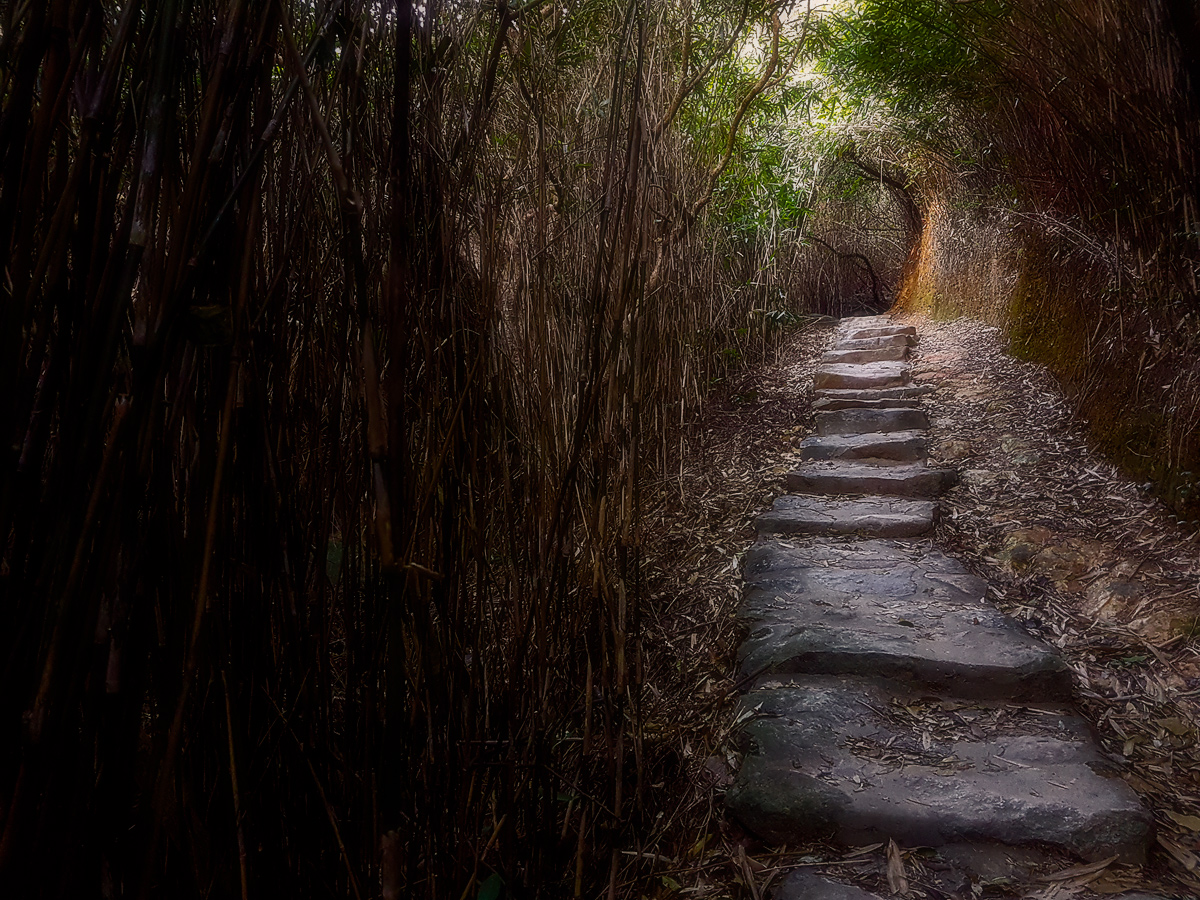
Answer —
889 699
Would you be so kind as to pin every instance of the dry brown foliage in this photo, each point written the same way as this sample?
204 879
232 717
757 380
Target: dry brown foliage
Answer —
1073 222
340 342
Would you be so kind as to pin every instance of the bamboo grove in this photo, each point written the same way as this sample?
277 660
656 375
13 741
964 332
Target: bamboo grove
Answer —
345 344
338 339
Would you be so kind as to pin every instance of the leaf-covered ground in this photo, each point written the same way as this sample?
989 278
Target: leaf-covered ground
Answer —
1072 548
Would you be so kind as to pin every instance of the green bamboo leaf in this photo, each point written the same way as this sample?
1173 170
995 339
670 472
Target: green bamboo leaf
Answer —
491 888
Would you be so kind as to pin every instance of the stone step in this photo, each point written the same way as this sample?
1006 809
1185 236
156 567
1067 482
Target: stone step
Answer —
900 392
891 340
952 870
831 403
860 762
838 477
890 699
879 354
801 884
850 323
897 446
849 399
864 421
875 517
886 609
862 375
860 332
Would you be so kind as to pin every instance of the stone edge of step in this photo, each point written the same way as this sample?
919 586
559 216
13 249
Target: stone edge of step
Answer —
905 391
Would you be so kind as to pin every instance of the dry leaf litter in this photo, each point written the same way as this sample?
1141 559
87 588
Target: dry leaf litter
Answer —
698 522
1072 548
1088 562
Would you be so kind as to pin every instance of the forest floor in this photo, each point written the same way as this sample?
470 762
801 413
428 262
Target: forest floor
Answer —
1072 548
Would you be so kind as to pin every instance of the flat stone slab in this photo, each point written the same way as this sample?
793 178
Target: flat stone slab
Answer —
866 421
802 885
891 340
838 477
864 762
904 392
881 608
896 446
830 403
850 323
843 376
875 517
872 331
880 354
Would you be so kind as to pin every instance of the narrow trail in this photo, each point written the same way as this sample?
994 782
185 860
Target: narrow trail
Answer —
890 703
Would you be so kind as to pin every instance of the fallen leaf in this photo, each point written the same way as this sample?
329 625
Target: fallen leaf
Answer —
1175 725
1077 871
1053 892
1113 883
748 872
1183 856
698 847
897 882
1192 823
862 851
1138 783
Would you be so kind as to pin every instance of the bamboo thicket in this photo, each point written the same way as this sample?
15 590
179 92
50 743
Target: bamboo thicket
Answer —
338 340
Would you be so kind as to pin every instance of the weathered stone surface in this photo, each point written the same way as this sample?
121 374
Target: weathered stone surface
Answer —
872 331
849 759
827 403
891 340
880 354
853 323
905 392
837 477
876 517
856 646
802 885
897 446
866 421
861 375
879 608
